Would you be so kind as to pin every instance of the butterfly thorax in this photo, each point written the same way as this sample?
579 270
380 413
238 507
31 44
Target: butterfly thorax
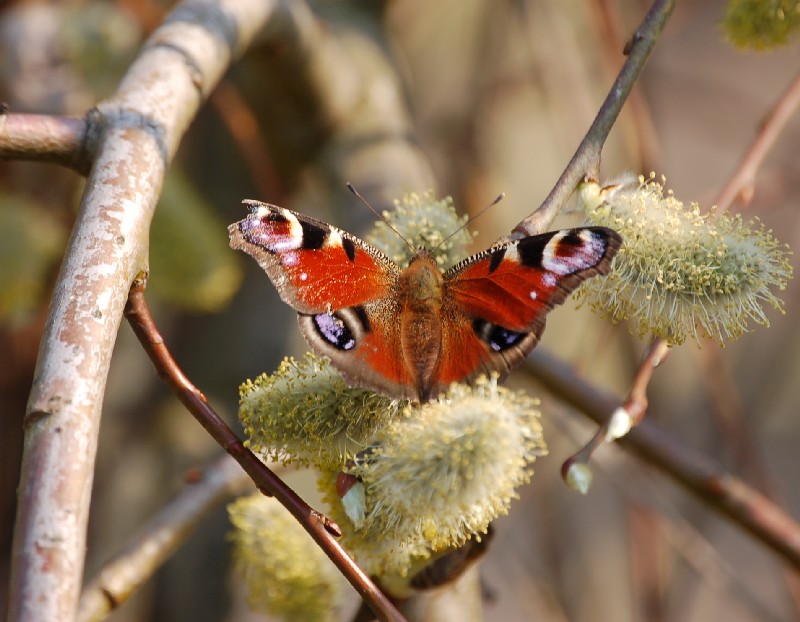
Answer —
421 287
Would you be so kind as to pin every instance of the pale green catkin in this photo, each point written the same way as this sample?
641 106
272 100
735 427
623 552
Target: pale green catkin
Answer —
284 572
682 273
440 473
761 24
305 413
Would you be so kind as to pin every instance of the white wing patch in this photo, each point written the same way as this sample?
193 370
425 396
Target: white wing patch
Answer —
333 239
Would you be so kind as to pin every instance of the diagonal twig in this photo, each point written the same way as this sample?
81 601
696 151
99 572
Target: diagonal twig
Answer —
706 479
159 538
587 157
741 184
626 416
318 526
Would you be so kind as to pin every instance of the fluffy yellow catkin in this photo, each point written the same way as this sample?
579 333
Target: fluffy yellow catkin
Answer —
305 413
284 572
680 270
761 24
424 222
439 474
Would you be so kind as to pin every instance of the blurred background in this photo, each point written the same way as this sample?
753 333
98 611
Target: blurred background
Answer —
469 98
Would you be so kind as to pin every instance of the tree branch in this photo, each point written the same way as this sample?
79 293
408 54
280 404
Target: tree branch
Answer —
138 129
741 184
318 526
586 160
704 478
629 414
45 138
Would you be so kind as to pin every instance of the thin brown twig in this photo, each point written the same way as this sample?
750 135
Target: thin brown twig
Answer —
122 576
629 414
741 184
587 157
726 494
321 529
636 404
642 132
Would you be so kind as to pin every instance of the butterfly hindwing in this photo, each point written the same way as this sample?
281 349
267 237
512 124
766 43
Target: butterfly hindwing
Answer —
372 358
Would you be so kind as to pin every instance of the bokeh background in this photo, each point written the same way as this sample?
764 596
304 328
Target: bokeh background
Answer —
470 98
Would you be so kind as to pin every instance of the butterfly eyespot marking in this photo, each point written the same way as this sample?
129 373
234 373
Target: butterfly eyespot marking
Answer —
570 251
340 330
276 231
334 330
496 336
563 252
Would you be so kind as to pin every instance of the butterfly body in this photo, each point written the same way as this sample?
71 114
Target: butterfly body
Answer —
410 332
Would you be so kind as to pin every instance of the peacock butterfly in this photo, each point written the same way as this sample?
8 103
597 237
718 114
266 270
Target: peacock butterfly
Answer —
410 332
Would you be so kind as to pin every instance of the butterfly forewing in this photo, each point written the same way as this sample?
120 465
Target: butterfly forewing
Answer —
514 285
315 267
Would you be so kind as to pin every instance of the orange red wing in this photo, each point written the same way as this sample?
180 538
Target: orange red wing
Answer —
496 302
315 267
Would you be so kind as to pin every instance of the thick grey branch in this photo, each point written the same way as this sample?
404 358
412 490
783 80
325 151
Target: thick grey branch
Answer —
138 130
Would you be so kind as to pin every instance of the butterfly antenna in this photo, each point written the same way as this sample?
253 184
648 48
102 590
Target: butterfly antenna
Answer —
472 219
352 189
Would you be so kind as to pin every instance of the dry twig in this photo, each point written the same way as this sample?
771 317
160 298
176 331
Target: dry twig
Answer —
629 414
767 522
159 538
318 526
587 158
741 184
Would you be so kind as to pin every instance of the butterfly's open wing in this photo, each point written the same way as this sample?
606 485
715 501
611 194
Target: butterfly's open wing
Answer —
496 301
339 285
315 267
